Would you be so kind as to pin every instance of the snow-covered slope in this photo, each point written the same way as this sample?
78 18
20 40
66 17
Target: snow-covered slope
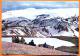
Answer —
51 41
16 21
52 22
31 13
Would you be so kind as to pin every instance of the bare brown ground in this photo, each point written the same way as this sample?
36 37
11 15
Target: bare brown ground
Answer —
14 48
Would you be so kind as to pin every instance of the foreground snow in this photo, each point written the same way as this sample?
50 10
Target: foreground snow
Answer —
50 41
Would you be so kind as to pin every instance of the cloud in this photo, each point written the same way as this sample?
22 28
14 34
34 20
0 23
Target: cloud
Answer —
31 13
6 6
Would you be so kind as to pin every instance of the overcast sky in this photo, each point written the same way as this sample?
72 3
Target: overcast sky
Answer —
37 5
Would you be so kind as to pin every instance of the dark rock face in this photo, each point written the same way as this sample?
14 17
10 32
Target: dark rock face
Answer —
32 43
61 26
42 16
46 46
77 29
36 21
45 30
17 40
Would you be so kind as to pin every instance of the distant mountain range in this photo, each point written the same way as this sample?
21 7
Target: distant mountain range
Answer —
43 26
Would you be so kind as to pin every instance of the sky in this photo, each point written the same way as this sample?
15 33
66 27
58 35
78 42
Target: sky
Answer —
37 5
31 9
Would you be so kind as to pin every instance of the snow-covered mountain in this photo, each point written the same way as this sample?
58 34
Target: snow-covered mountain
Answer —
42 27
15 21
42 23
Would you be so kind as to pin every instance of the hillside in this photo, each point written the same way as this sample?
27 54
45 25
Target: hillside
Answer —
14 48
73 49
